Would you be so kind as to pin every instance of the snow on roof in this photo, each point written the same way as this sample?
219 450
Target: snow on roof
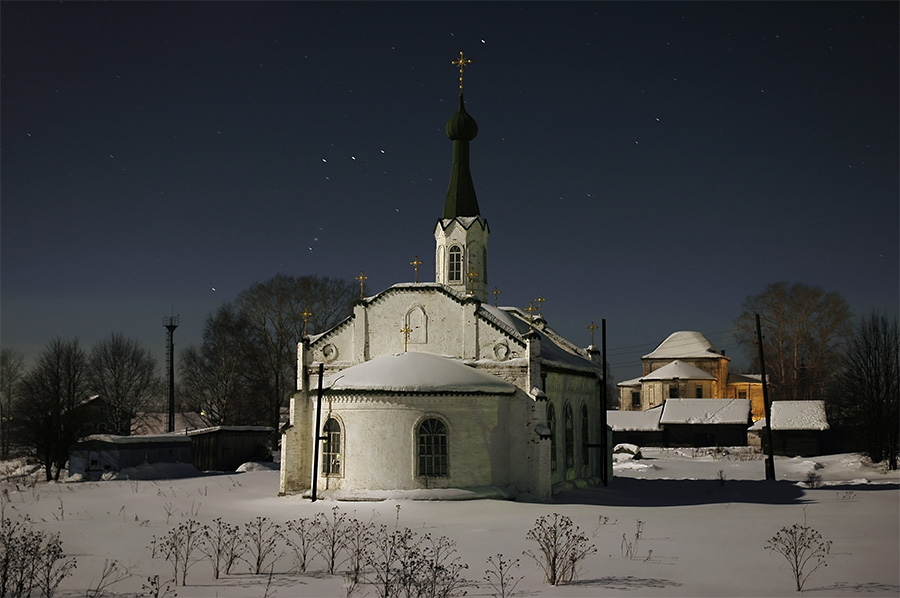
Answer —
631 382
634 421
682 345
734 378
147 438
705 411
417 372
799 415
230 429
553 345
678 370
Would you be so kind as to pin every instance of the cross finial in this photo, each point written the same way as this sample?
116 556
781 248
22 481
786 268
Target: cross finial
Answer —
540 301
472 275
592 328
362 278
531 309
495 292
415 264
461 63
405 332
306 313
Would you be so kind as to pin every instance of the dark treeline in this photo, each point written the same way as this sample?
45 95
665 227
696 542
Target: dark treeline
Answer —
242 373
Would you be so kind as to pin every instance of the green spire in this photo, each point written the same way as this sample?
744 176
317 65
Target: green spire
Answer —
461 200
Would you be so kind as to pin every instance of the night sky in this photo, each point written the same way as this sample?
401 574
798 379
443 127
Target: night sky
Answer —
651 164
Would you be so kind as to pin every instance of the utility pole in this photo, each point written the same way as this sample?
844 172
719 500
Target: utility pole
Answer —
317 436
770 452
171 323
604 405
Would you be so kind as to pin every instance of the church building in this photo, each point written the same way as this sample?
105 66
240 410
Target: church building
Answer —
429 386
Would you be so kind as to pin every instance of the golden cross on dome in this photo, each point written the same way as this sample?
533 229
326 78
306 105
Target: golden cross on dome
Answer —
461 63
472 276
415 264
495 292
531 309
362 278
540 301
306 313
592 328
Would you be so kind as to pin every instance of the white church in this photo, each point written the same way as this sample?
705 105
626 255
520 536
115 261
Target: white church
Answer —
428 387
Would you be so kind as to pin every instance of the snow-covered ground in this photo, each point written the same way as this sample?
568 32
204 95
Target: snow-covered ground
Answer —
706 517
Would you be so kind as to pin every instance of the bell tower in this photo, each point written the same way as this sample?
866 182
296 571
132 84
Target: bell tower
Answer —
461 234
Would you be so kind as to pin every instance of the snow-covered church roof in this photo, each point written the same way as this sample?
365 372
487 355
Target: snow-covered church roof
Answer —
419 373
678 370
682 345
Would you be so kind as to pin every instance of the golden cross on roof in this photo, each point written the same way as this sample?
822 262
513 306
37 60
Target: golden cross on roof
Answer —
531 309
415 264
461 63
306 313
495 292
472 276
592 328
362 278
540 301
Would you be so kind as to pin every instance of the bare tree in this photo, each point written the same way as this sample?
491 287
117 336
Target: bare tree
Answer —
124 375
275 310
215 376
50 393
803 329
12 368
868 393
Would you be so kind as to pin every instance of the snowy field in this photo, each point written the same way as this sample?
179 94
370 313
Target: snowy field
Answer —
705 522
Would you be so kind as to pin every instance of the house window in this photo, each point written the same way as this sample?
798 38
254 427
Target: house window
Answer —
432 448
635 399
585 436
331 447
699 392
570 436
551 423
673 391
454 273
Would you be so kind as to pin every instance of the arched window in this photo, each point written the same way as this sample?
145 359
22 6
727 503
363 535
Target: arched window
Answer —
551 423
331 447
570 436
454 273
432 436
585 436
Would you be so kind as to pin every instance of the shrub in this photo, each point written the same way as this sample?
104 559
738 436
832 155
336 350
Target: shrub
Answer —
562 547
500 577
804 549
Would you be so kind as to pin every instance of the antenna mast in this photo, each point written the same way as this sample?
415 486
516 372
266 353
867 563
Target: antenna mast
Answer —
171 323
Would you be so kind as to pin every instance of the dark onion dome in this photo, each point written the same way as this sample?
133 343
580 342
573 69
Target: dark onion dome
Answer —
461 199
461 125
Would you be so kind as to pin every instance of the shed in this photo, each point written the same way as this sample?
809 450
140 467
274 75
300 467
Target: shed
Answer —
636 427
705 422
225 448
104 453
798 428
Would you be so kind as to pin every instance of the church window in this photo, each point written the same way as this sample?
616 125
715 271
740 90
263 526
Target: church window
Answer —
551 423
635 399
432 448
570 436
699 392
673 391
585 435
331 447
742 394
454 273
